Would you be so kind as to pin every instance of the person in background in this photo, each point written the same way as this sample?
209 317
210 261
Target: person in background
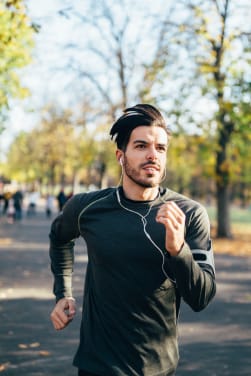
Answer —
148 248
1 200
10 211
49 205
69 195
6 199
62 198
33 198
18 204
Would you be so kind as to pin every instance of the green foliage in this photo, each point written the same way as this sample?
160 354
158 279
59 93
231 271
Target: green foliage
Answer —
58 151
16 44
239 216
190 166
193 56
43 153
211 37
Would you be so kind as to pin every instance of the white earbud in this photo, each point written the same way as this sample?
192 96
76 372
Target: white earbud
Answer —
121 161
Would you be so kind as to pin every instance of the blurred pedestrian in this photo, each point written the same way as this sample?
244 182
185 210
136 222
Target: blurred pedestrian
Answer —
10 211
33 197
62 198
49 205
6 197
18 203
69 196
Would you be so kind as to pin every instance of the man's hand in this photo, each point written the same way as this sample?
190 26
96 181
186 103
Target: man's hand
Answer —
63 313
173 218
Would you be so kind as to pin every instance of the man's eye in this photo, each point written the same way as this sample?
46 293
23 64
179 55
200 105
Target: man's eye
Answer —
161 148
141 146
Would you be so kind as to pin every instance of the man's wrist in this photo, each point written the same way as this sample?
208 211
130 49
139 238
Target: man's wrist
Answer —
176 252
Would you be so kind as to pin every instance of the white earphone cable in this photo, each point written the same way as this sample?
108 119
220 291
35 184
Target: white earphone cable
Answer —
144 222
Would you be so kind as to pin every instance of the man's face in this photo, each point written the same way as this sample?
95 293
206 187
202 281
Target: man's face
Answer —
145 156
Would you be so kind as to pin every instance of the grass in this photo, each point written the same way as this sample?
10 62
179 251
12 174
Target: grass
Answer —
240 245
237 214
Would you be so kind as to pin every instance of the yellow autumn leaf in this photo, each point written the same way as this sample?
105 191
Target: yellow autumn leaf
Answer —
44 353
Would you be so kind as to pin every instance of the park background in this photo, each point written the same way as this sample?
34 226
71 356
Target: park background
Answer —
77 66
68 69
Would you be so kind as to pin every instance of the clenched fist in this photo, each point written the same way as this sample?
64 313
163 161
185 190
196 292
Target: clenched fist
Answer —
63 313
173 218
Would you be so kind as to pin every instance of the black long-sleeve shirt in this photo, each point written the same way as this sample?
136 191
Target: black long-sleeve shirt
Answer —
133 287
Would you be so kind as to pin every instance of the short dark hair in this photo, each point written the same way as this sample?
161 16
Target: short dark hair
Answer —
133 117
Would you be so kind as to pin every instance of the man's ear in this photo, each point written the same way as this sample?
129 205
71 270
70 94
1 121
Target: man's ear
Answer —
119 155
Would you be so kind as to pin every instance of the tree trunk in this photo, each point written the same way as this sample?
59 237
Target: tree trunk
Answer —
223 178
225 129
223 211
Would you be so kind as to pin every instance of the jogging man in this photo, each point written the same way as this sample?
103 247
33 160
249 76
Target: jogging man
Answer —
148 248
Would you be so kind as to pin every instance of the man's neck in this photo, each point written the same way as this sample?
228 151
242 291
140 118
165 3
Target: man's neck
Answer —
140 193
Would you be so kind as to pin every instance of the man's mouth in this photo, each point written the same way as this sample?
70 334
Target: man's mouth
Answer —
150 168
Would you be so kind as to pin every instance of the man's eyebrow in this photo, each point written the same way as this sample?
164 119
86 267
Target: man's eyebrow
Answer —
140 142
146 143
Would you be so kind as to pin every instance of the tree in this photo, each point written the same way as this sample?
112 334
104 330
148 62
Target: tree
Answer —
190 57
214 38
48 153
58 151
218 66
110 65
16 44
120 54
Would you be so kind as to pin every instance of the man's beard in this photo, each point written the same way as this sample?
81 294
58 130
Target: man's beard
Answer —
134 175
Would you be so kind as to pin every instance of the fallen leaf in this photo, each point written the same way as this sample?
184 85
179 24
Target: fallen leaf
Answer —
44 353
3 366
22 346
238 246
34 344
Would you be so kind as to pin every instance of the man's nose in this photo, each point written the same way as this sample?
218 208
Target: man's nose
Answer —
152 154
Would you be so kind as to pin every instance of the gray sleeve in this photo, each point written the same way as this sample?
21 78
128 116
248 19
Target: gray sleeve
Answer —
65 226
199 240
194 265
64 230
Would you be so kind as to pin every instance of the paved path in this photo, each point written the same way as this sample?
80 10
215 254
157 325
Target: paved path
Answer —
215 342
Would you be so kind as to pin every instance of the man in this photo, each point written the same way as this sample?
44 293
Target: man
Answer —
61 197
148 247
18 203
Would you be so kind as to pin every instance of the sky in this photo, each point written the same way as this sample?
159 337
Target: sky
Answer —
37 76
46 82
43 76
